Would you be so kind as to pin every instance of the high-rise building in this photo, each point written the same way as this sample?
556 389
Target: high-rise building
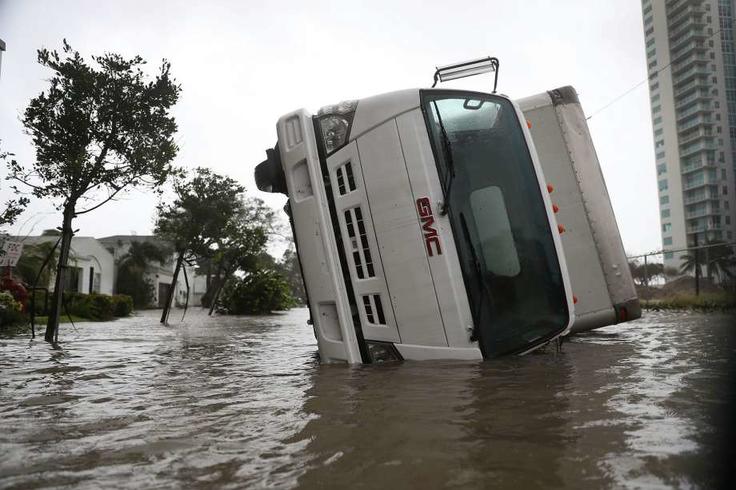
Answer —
692 87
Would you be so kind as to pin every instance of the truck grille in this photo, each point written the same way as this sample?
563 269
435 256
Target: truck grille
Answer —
359 243
345 173
374 309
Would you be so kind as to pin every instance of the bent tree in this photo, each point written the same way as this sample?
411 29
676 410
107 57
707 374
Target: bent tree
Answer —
99 128
200 215
240 245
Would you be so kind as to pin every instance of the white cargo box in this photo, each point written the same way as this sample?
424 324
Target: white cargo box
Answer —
596 261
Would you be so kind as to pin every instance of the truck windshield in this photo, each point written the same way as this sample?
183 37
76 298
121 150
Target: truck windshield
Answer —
499 221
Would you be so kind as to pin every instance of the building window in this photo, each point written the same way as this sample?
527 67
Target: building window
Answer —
657 120
666 227
665 213
668 255
664 199
659 155
725 190
658 132
656 109
661 168
728 219
667 241
662 185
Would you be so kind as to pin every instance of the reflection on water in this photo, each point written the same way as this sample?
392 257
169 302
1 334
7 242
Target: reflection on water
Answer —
232 402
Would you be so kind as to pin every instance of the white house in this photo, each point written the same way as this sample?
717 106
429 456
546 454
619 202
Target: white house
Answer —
91 266
160 275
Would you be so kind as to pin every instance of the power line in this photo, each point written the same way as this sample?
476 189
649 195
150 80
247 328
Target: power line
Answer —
687 249
640 83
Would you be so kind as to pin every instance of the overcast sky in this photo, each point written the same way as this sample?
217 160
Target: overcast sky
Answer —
242 64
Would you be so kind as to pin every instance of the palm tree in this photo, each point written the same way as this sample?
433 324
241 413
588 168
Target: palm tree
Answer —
718 259
29 264
132 267
140 254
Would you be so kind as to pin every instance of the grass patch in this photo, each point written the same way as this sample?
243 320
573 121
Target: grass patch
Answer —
704 302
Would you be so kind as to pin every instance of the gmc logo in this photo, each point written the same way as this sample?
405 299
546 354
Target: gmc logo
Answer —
431 238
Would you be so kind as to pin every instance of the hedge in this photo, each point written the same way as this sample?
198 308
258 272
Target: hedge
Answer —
96 306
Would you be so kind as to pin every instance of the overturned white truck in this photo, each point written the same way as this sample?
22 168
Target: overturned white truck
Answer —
423 224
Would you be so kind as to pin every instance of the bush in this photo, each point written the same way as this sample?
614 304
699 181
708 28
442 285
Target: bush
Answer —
704 302
259 292
122 305
133 283
11 311
97 306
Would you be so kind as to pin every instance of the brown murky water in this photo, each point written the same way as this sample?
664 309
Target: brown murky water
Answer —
236 402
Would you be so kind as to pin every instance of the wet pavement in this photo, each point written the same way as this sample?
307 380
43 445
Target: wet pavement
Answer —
232 402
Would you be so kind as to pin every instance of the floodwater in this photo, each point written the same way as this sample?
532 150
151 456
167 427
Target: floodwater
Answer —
236 402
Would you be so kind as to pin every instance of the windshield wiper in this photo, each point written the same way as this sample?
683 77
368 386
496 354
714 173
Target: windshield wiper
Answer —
449 162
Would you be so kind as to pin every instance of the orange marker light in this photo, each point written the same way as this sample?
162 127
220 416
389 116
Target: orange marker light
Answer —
555 208
528 124
550 189
561 229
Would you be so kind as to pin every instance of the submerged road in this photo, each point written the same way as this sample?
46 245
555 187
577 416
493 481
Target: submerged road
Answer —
231 402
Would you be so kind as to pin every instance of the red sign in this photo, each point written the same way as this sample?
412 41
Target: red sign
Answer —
431 238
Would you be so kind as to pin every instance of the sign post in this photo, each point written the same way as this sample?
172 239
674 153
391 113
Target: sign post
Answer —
10 252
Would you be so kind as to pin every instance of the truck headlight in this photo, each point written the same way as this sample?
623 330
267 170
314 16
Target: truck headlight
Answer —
334 123
382 352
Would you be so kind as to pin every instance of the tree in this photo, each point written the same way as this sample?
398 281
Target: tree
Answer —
643 273
239 246
292 272
132 267
259 292
12 208
99 129
715 257
33 258
200 215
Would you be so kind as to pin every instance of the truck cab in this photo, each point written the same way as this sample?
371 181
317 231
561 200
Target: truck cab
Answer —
423 225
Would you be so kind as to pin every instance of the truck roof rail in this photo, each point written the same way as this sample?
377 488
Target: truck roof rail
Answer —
467 69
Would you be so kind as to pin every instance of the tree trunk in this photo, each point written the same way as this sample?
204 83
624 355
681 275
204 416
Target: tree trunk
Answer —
52 326
170 295
213 284
216 296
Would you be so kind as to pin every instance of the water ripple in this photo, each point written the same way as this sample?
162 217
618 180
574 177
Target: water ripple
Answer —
229 402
